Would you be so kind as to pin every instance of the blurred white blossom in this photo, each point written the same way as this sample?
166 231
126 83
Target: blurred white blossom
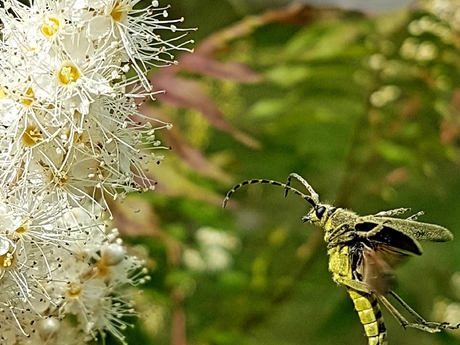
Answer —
215 250
72 75
447 10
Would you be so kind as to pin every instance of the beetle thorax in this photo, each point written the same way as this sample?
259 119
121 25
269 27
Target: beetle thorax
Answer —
333 220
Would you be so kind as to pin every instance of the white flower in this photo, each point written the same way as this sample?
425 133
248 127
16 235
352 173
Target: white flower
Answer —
70 138
215 251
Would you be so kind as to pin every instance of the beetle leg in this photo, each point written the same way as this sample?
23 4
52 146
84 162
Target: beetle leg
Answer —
354 284
420 322
392 213
397 212
369 219
416 215
339 235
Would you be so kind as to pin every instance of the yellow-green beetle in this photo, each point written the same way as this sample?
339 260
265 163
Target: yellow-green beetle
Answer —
363 250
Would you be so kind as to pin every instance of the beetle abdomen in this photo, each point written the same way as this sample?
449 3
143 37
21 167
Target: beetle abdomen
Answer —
370 315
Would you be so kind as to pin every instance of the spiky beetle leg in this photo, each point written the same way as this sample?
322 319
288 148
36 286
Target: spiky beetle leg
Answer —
421 323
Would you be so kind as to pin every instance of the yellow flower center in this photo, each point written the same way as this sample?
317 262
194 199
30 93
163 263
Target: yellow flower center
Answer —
73 290
68 73
120 12
60 178
32 135
28 97
7 260
50 26
3 93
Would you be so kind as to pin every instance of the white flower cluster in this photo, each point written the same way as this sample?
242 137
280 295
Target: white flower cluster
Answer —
215 251
446 10
72 74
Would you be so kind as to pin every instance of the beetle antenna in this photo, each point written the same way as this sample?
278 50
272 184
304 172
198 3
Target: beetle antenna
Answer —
312 200
314 195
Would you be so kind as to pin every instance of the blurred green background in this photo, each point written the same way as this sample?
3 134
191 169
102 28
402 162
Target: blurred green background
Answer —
364 106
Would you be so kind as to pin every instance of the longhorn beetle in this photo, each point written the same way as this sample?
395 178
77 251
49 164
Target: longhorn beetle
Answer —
363 250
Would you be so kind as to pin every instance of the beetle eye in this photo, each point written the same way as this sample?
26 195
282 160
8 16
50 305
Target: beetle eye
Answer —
320 212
